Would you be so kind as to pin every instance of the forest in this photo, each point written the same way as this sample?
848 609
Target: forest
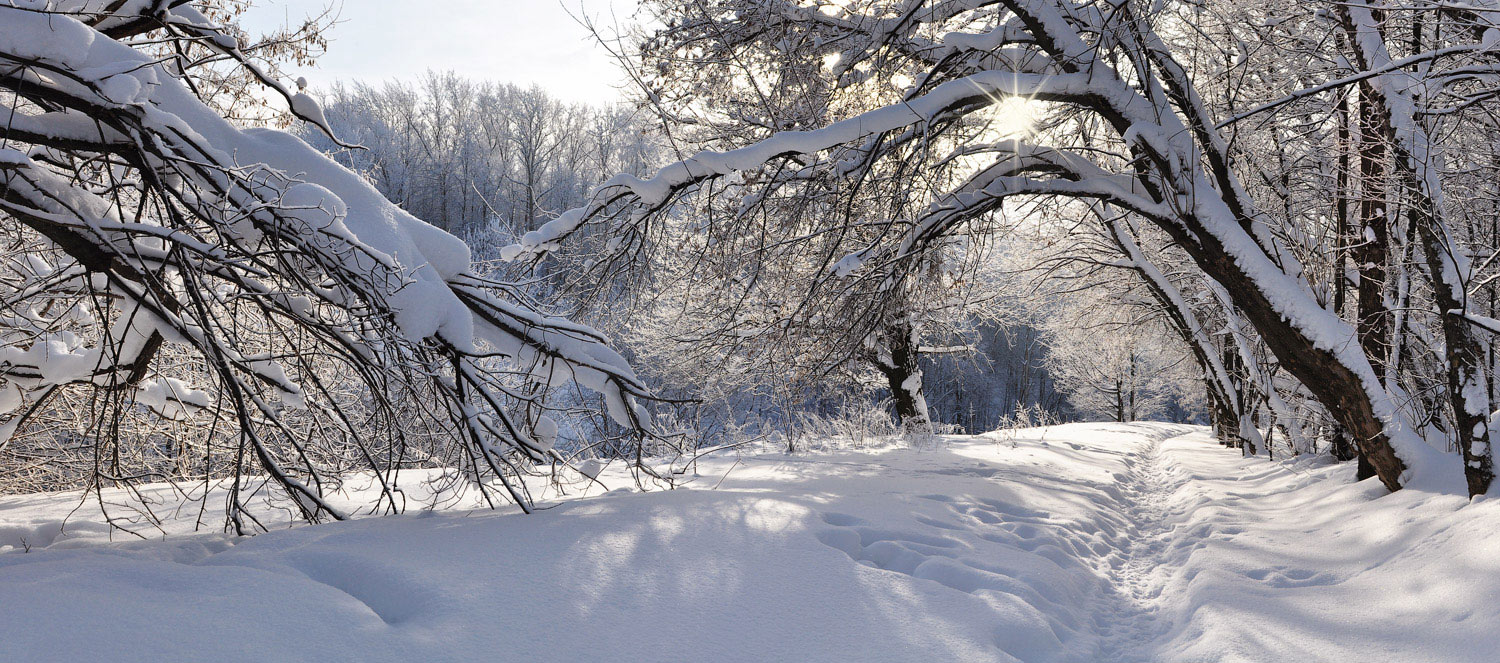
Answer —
1068 330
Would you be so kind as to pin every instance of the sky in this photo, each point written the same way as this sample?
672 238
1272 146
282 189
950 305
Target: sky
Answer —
514 41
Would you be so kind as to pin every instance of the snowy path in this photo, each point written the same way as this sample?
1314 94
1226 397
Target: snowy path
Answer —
1134 578
1128 554
1087 543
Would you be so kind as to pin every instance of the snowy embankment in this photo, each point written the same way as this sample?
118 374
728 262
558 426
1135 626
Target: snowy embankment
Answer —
1142 542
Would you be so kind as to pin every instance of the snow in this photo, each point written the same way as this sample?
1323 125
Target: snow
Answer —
171 398
10 398
591 468
848 264
1090 542
67 45
546 431
308 108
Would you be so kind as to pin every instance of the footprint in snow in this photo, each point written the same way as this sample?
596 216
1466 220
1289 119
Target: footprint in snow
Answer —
1285 578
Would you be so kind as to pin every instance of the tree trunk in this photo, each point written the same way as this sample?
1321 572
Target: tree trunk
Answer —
1447 267
898 362
1340 444
1465 357
1332 378
1372 249
1119 402
1342 235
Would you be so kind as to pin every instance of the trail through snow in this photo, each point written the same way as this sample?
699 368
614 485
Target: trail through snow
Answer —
1102 542
1133 580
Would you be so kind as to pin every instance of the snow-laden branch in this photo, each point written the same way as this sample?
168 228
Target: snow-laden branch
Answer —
648 194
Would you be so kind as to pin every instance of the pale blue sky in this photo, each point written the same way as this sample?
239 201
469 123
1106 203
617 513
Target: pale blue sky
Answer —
519 41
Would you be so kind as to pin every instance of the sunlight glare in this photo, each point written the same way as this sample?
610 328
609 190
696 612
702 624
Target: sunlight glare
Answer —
1012 117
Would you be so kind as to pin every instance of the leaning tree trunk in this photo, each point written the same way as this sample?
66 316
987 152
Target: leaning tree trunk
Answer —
1225 410
1215 222
1333 378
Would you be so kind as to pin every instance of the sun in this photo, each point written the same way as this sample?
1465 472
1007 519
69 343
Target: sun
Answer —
1011 118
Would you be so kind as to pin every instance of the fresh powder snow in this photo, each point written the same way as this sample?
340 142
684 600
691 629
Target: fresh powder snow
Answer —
1083 542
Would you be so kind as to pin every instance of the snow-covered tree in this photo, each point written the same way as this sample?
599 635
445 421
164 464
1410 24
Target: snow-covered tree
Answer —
1128 126
165 264
476 156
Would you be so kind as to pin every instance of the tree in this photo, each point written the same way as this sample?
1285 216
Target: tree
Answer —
238 279
1392 115
1138 136
473 157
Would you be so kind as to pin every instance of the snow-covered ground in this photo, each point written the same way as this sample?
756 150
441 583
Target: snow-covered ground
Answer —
1099 542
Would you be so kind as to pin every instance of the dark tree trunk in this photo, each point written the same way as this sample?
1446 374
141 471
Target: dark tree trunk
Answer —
1372 248
1119 402
899 363
1341 212
1336 385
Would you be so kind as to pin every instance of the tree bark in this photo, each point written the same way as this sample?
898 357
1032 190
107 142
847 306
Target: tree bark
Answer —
1335 383
1341 211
